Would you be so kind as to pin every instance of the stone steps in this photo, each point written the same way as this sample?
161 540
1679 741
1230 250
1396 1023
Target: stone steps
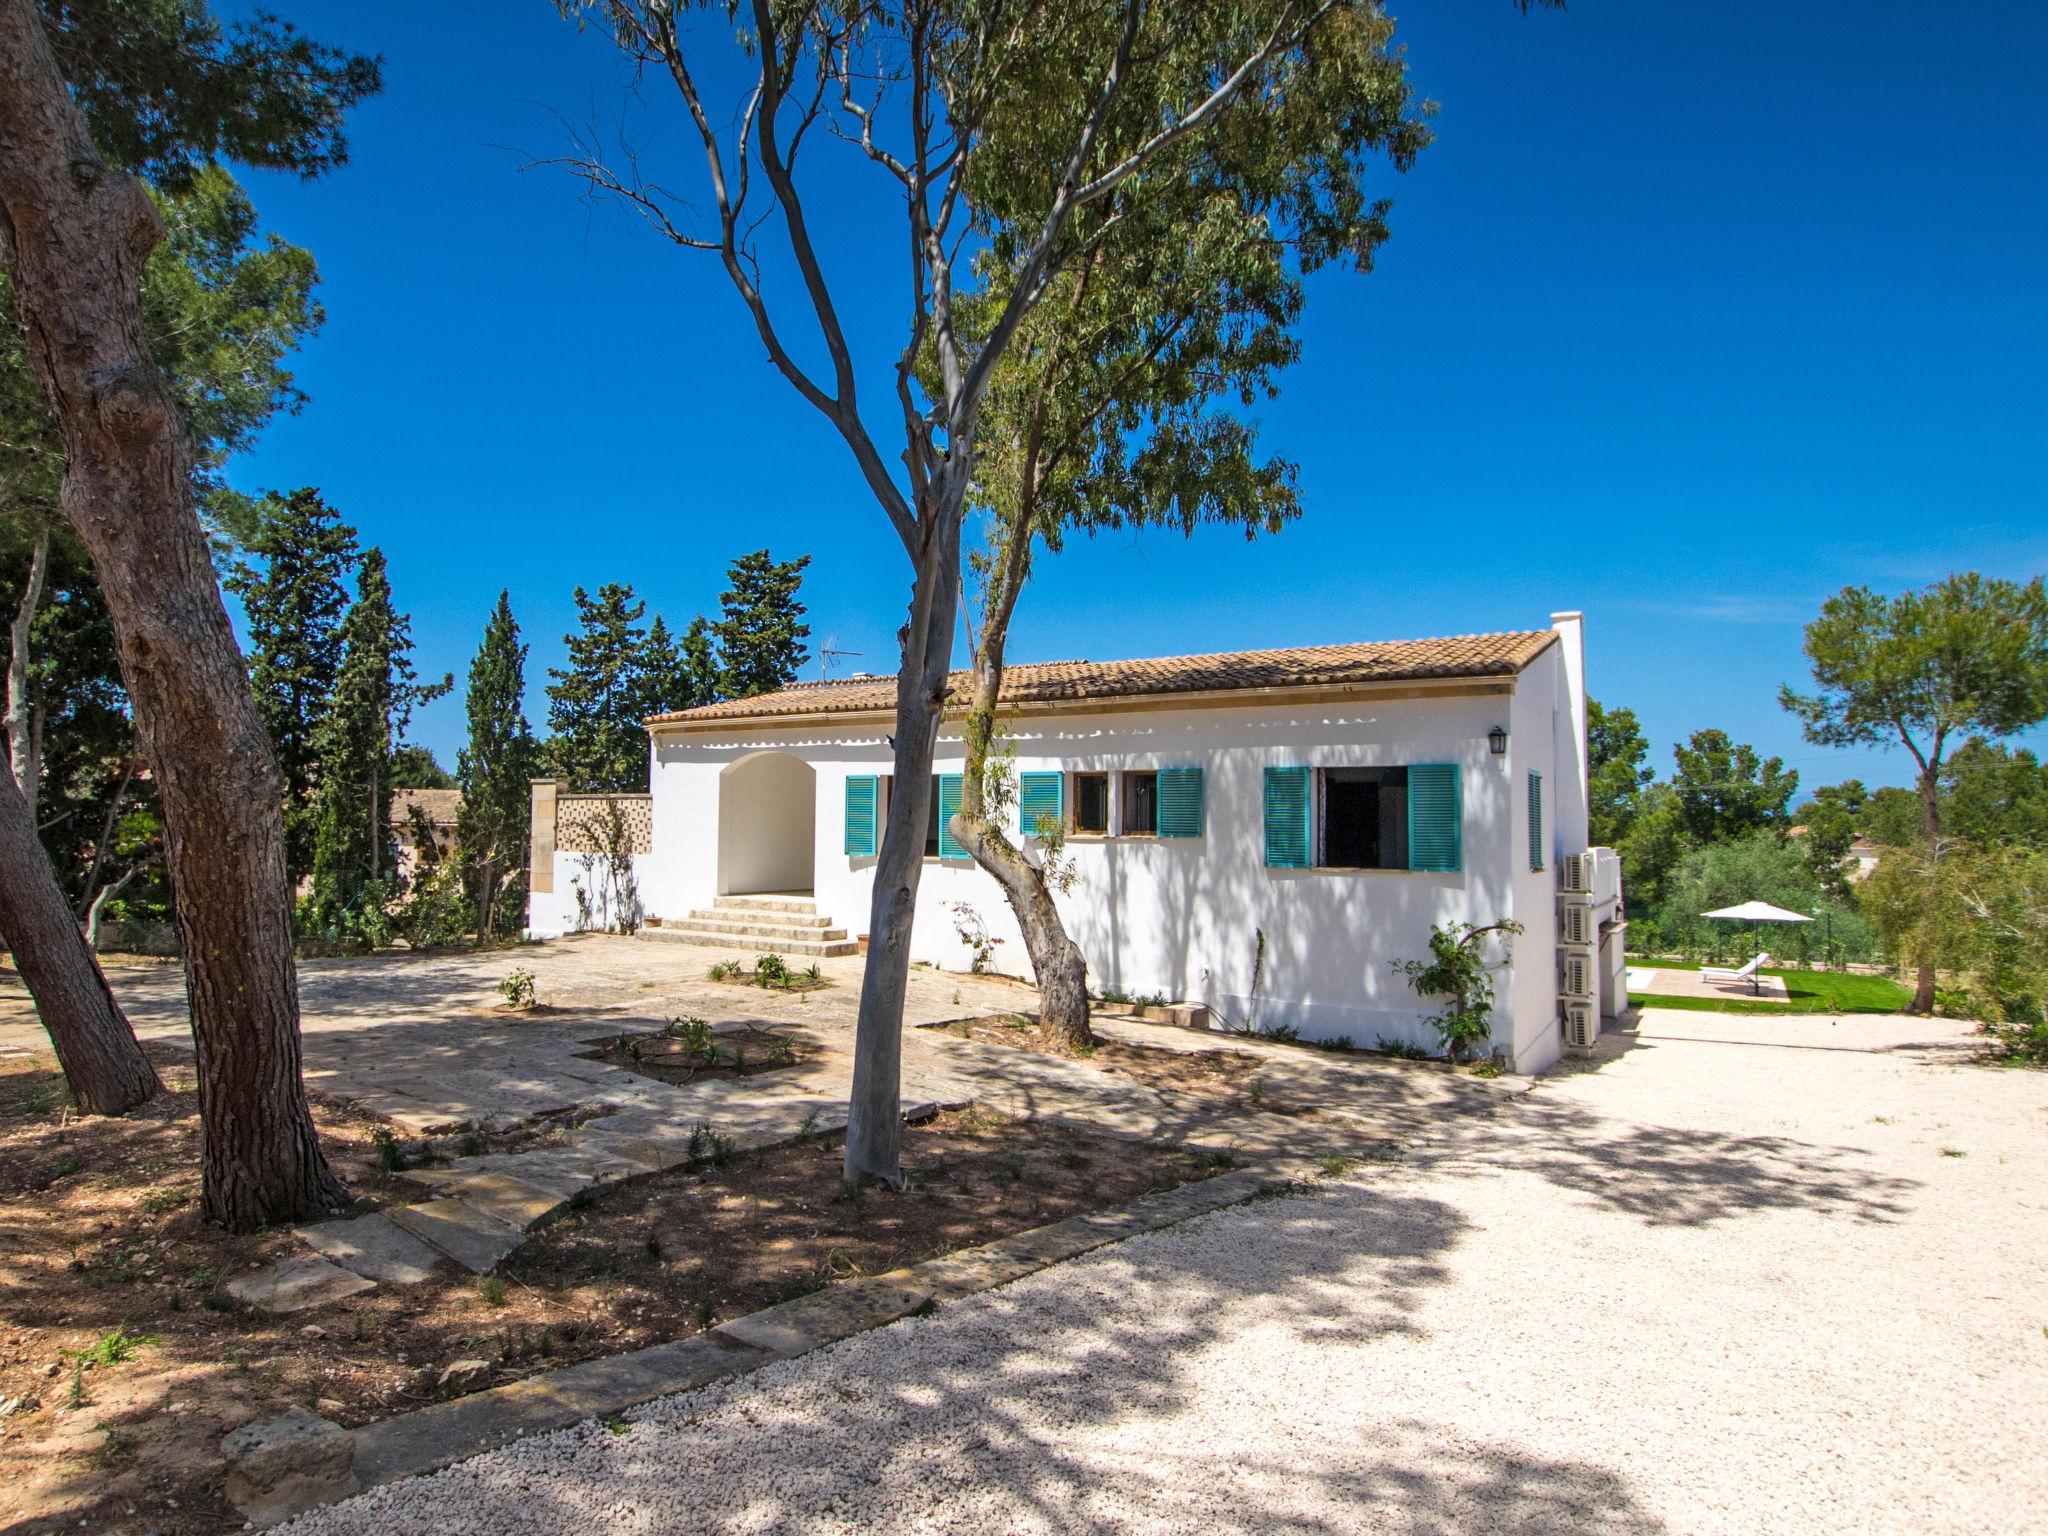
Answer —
784 925
735 943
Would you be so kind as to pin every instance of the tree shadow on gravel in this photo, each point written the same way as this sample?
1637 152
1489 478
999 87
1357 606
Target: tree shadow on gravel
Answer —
1093 1397
1669 1175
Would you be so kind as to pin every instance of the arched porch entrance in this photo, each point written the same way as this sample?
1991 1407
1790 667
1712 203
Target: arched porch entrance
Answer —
767 825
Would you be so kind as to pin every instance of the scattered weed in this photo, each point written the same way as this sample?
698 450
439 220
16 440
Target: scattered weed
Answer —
1400 1050
1953 1152
704 1309
719 971
1333 1166
1286 1034
617 1425
490 1290
390 1156
1074 1160
517 988
113 1348
78 1398
115 1449
1219 1159
809 1129
771 970
1492 1066
64 1167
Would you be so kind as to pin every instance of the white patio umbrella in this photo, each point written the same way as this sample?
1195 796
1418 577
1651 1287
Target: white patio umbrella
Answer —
1754 912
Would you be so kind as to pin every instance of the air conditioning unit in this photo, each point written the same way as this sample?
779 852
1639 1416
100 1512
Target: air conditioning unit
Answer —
1581 1025
1576 924
1575 875
1576 976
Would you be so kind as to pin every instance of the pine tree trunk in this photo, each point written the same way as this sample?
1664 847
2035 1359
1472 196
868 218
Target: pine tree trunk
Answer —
1930 815
101 1058
21 732
76 237
874 1115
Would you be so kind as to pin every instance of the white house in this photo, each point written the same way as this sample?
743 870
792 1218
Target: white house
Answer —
1303 815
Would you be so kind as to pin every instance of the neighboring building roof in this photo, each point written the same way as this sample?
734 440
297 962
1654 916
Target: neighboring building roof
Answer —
441 806
1053 683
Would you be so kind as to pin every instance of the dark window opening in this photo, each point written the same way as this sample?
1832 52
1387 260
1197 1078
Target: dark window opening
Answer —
1091 803
1364 818
931 823
1141 804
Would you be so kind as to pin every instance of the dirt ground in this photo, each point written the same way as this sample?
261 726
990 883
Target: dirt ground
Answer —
1222 1075
123 1361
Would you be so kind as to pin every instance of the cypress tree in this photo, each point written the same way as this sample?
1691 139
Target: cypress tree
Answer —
595 703
294 600
374 694
760 630
701 665
494 770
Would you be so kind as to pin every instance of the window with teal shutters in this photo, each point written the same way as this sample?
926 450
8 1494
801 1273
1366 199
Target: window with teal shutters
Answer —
1287 818
949 805
1535 821
1436 818
1040 794
860 815
1180 802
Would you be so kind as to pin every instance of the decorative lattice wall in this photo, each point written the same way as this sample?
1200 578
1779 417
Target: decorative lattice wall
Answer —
581 822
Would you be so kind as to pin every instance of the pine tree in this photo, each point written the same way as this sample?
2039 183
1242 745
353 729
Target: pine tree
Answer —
374 695
664 672
494 770
761 632
701 662
294 600
594 705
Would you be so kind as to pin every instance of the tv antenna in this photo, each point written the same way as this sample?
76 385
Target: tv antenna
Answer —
827 654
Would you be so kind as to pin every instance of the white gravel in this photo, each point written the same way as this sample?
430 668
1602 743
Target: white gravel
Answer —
1729 1282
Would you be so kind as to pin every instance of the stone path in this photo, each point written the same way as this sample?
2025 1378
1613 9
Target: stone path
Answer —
419 1041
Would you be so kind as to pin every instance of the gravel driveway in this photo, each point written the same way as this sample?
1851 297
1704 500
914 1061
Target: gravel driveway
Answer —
1746 1275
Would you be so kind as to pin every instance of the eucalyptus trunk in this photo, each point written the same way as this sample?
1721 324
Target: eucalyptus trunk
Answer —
874 1126
1056 960
96 1047
75 237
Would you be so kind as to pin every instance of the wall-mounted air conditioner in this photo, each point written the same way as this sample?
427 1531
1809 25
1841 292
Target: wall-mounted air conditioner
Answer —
1581 1025
1576 925
1575 975
1575 875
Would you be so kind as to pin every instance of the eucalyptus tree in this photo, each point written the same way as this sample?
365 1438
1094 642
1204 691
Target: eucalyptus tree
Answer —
995 127
1968 654
163 89
1120 401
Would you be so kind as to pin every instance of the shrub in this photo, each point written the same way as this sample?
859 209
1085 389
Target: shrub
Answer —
1456 971
771 970
438 911
518 988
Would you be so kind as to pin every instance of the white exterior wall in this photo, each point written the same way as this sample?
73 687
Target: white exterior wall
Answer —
1178 917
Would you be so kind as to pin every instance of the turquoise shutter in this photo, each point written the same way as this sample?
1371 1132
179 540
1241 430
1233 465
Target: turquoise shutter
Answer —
1180 802
1535 821
1039 794
860 816
1436 818
949 803
1287 818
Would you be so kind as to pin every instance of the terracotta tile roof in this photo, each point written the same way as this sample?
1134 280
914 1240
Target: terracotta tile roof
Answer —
1050 682
440 805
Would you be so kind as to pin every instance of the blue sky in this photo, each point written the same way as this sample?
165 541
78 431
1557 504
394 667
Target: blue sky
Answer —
1692 315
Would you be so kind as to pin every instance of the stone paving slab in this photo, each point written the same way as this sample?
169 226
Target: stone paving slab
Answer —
472 1238
293 1285
374 1247
515 1201
824 1317
416 1443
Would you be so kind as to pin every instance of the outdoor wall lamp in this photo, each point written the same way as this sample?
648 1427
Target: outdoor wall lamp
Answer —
1497 740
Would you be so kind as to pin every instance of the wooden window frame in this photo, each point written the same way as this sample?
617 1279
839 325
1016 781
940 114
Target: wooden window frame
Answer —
1123 802
1074 778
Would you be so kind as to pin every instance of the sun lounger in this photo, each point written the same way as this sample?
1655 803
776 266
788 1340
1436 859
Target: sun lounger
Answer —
1751 973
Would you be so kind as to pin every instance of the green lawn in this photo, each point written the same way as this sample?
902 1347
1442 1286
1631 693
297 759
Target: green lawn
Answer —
1810 992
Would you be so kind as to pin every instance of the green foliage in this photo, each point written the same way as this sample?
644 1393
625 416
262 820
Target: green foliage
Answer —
1831 821
771 971
596 703
1725 790
496 769
1806 992
1456 971
1991 795
1969 653
760 630
115 1347
1980 912
491 1290
374 695
166 87
415 767
1651 847
293 588
437 912
1618 771
517 987
1759 867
